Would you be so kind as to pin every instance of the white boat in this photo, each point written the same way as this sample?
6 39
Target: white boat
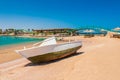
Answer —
49 50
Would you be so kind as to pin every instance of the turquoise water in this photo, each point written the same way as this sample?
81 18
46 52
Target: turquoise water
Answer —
10 40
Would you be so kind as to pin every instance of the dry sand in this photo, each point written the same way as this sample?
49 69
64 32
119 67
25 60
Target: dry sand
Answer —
7 53
98 59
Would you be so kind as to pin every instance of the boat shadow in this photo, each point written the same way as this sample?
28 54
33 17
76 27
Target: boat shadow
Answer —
53 61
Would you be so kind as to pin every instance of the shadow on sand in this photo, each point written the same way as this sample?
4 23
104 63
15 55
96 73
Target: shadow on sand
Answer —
45 63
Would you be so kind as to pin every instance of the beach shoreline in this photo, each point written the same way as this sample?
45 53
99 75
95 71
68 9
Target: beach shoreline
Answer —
99 60
8 50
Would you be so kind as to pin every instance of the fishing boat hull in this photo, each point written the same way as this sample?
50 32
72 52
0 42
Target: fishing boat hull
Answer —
50 52
53 56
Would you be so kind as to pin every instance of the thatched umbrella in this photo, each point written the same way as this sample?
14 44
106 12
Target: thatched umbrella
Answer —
117 29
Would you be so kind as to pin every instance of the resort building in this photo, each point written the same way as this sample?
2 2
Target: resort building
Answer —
9 31
54 32
19 32
22 32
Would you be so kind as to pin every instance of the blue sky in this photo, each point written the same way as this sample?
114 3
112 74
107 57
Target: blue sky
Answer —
59 13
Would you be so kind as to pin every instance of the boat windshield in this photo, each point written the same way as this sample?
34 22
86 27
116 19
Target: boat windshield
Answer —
49 41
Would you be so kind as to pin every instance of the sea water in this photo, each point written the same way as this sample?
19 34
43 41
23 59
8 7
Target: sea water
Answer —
10 40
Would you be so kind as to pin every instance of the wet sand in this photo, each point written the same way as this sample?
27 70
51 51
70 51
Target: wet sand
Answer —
98 59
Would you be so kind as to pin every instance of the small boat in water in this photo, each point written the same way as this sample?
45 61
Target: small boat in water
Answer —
49 50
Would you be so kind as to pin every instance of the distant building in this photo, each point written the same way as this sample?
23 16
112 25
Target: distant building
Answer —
9 31
19 32
53 32
22 32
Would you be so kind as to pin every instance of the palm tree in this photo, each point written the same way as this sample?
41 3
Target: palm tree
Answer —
0 31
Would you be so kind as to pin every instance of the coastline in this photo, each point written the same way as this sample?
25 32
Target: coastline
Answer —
99 60
8 51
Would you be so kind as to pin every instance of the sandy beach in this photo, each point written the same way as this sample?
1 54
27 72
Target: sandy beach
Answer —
98 59
7 53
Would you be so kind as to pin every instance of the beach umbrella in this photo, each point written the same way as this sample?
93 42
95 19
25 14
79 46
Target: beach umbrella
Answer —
117 29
